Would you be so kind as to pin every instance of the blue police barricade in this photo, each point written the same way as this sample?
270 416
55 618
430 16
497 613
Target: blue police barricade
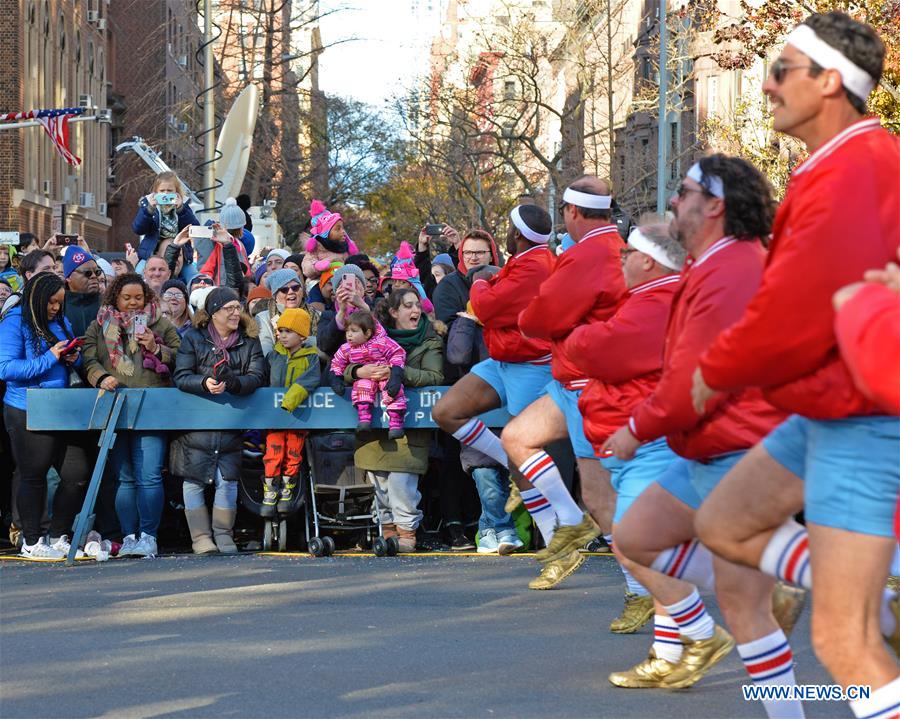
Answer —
65 410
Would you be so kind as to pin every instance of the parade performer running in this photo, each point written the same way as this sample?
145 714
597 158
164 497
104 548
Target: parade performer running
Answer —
837 455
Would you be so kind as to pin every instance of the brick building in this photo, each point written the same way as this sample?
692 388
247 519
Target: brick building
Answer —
53 51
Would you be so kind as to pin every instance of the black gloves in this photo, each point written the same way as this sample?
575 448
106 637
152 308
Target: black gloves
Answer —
394 384
337 384
232 383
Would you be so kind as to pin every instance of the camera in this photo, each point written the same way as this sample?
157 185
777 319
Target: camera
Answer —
67 240
166 198
199 231
434 230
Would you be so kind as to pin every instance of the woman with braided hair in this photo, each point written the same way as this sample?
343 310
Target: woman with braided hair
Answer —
37 350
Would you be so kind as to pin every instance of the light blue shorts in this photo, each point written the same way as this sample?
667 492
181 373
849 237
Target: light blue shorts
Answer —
676 480
851 469
518 384
631 478
567 401
707 474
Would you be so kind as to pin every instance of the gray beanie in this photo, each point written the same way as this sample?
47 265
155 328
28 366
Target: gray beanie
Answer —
280 278
231 217
341 272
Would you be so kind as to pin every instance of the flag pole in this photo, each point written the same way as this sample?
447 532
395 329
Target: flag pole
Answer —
35 123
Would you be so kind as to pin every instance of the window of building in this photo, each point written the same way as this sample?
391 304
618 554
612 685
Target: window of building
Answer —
77 49
712 95
90 54
32 13
46 14
509 90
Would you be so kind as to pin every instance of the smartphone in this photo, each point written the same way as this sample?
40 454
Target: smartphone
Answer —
140 324
67 240
434 230
74 344
166 198
9 238
199 231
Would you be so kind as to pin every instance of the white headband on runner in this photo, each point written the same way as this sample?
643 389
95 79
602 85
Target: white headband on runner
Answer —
526 231
711 183
853 77
583 199
639 241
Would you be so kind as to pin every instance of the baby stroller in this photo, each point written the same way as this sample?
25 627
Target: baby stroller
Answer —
275 529
341 499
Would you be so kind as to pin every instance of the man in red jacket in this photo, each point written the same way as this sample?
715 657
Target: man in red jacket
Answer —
585 286
837 456
723 207
518 368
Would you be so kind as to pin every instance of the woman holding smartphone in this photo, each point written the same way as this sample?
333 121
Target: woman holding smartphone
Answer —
131 344
38 349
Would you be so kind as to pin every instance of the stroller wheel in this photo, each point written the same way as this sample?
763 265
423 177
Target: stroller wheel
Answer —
316 547
282 535
380 547
329 546
393 547
267 535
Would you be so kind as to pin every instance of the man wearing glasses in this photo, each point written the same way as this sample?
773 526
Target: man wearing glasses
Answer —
83 288
836 456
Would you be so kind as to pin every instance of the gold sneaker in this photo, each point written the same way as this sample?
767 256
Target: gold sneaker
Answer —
569 537
787 605
892 582
554 571
649 673
514 500
894 639
698 657
638 611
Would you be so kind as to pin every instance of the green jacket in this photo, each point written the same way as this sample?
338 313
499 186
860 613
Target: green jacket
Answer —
299 372
374 451
98 365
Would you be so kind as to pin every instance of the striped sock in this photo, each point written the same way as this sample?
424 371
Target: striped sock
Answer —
786 556
476 435
690 561
633 585
691 617
666 639
541 471
770 662
541 512
883 703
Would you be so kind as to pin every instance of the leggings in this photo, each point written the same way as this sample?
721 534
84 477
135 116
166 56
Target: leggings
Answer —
35 453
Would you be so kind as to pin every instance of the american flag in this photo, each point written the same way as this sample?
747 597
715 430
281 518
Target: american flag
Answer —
55 124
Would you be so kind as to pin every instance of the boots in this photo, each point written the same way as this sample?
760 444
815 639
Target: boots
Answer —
270 497
222 524
407 539
201 532
288 484
388 530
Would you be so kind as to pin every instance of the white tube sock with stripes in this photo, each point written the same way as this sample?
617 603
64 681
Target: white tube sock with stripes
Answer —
541 471
633 585
666 639
786 556
476 435
883 703
541 512
691 617
770 662
689 561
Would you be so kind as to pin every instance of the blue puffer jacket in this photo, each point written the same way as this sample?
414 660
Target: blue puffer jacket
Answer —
146 223
21 367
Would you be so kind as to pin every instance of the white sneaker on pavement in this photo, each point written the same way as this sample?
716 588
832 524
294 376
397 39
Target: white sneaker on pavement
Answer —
62 544
40 551
144 547
127 548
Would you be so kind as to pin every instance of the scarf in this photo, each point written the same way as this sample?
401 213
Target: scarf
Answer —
223 344
168 223
408 339
118 334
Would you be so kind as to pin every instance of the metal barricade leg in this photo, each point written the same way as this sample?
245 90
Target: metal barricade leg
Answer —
107 437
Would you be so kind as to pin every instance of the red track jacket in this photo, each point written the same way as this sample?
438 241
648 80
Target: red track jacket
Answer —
841 216
586 286
713 294
622 356
498 301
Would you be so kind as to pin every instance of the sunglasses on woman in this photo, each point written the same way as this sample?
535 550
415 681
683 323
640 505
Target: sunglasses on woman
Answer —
290 288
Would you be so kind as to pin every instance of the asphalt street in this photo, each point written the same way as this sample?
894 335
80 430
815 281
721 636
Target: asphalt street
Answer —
255 636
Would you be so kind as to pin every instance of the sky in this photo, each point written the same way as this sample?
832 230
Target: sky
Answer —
384 50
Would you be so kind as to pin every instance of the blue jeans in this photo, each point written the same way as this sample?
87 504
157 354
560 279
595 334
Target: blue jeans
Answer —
137 459
225 498
493 492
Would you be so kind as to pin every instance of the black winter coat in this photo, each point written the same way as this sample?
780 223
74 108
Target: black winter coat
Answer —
195 456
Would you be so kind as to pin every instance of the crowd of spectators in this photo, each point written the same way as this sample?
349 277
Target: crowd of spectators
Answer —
216 314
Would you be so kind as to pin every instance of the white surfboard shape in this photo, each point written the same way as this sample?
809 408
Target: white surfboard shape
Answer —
234 143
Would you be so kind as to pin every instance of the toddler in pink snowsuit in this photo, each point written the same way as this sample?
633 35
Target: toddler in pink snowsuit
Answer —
368 343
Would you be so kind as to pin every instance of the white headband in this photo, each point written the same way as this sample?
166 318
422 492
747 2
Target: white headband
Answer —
526 231
639 241
711 183
853 77
583 199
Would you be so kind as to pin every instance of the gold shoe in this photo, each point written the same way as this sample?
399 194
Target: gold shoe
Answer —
554 571
514 500
638 611
649 673
787 605
569 537
699 657
892 582
894 639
